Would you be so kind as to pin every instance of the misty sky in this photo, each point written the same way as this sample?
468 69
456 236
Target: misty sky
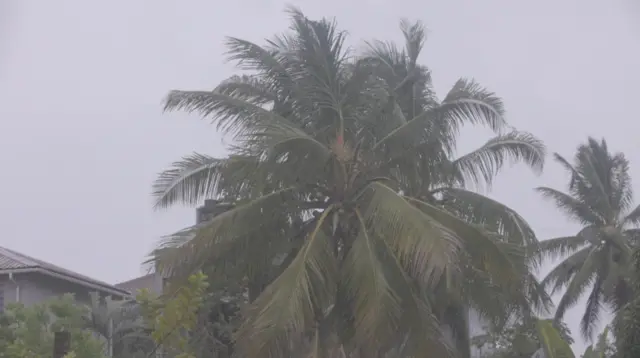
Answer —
82 135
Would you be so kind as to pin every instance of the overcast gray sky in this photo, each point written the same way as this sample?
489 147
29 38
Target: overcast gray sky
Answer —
82 135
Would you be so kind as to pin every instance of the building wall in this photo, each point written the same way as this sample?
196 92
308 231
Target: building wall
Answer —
35 288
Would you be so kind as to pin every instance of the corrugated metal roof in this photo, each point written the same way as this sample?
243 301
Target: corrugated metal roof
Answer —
12 260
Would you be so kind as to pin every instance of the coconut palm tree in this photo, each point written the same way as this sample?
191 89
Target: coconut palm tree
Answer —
346 195
600 198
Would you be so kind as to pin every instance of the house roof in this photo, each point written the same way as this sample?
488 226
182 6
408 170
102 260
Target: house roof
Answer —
15 262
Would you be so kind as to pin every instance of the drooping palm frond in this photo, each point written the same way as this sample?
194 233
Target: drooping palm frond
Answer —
552 342
189 181
291 304
195 246
484 163
489 213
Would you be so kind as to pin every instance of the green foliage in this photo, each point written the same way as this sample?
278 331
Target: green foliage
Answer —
173 318
27 332
523 339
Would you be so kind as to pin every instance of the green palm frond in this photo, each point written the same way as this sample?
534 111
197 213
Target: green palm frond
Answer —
252 57
377 306
561 275
484 163
468 102
593 307
290 305
252 89
579 283
560 247
189 181
491 214
418 325
194 246
573 208
498 258
231 114
552 343
425 247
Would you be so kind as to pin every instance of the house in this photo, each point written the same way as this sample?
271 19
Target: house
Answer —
29 281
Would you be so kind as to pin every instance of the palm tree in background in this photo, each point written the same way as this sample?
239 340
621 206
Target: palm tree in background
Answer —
121 325
350 217
600 198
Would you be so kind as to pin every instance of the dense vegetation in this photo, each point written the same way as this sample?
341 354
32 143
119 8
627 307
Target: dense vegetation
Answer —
353 227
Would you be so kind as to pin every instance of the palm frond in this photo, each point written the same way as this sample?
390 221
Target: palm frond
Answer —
424 246
592 310
250 56
572 207
552 343
561 275
289 306
414 36
468 102
252 89
230 114
189 180
493 256
418 324
195 246
484 163
560 247
377 306
579 282
491 214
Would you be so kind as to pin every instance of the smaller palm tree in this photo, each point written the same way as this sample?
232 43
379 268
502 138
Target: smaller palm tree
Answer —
120 324
600 198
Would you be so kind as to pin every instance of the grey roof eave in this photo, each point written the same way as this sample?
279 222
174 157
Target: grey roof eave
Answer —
105 289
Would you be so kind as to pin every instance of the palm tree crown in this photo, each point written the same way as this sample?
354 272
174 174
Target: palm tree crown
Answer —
600 198
348 208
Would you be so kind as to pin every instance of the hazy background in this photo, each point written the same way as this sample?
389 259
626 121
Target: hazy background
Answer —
82 135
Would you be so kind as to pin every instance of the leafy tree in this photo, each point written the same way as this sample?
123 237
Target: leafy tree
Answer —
173 318
350 217
27 332
600 198
524 338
